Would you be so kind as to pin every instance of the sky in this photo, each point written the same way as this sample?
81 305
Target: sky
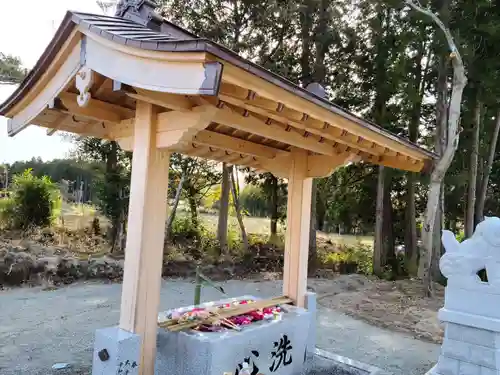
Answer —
33 23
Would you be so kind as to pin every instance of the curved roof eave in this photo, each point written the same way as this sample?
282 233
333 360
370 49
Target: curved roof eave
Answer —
148 39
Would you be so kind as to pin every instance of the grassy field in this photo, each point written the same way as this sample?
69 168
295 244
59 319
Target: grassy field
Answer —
261 225
78 216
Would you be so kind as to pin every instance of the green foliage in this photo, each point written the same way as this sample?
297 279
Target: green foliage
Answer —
254 201
7 213
200 178
358 257
11 70
34 201
202 237
69 173
183 228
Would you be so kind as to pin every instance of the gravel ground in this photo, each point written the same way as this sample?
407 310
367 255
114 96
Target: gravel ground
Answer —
39 328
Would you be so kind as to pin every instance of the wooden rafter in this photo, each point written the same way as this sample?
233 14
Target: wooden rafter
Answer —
193 149
244 121
96 110
328 131
209 138
237 77
166 100
56 124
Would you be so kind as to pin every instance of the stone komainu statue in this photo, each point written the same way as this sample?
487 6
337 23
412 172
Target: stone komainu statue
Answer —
462 261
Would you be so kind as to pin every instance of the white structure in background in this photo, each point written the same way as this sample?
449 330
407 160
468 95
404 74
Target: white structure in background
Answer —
108 6
471 312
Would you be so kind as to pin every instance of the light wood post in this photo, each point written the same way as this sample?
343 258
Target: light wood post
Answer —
145 235
297 231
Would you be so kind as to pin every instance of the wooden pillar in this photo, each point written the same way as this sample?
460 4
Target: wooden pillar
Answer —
297 231
145 236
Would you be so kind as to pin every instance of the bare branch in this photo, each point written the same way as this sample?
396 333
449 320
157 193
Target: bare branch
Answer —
453 130
449 38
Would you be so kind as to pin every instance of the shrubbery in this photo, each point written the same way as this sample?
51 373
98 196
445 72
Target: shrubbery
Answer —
254 201
351 259
201 237
33 201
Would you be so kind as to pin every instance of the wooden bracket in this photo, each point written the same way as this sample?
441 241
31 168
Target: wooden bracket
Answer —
84 82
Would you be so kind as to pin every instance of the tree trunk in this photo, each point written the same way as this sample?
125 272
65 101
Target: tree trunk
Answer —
274 210
193 210
411 253
379 114
313 251
306 24
117 224
388 233
452 138
177 198
487 170
471 191
437 245
223 210
239 217
379 260
118 244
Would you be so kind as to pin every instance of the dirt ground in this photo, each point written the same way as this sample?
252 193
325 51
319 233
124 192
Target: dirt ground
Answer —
394 305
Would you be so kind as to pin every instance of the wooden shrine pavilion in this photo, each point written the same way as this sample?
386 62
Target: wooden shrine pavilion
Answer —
155 88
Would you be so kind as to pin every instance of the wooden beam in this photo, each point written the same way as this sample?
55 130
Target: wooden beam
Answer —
162 99
185 76
145 236
56 124
330 132
411 165
217 155
230 157
96 110
323 166
263 88
182 128
240 146
107 84
126 144
251 124
279 166
297 230
250 161
198 150
172 127
54 80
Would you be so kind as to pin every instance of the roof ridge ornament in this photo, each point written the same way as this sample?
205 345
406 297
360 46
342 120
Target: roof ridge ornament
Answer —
141 12
316 89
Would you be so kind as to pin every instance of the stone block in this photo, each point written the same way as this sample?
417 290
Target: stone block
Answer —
433 371
483 356
447 366
456 349
470 335
277 346
310 305
489 371
466 368
116 351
